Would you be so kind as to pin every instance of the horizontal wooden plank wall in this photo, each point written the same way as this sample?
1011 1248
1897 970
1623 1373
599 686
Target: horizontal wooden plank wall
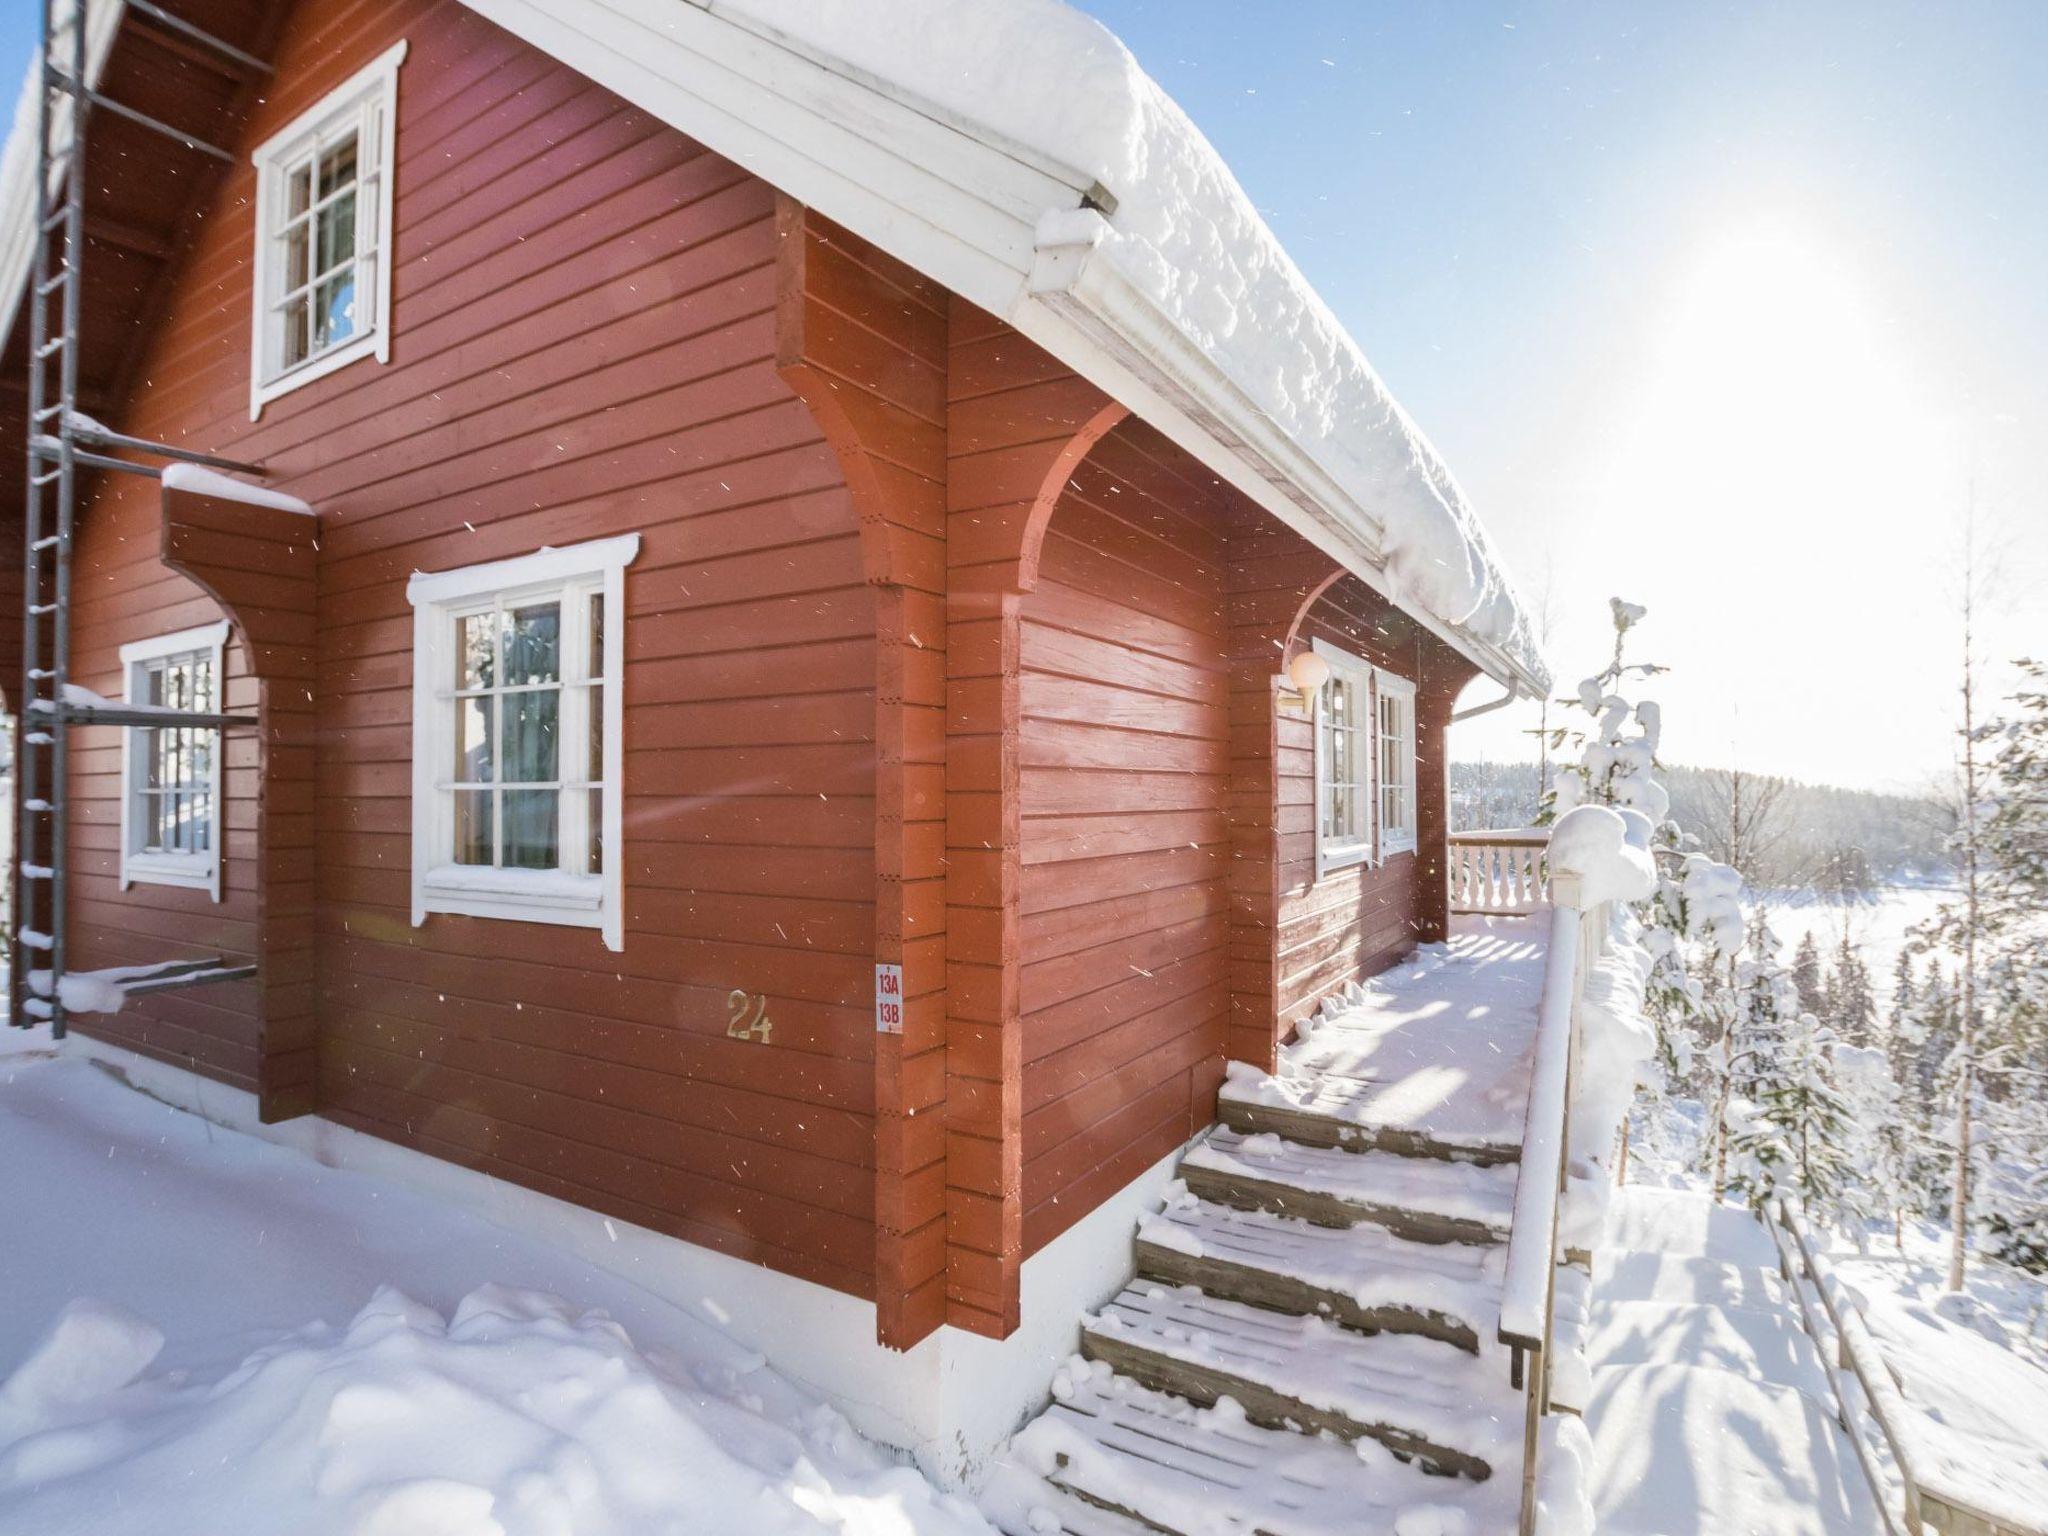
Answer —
584 344
1126 844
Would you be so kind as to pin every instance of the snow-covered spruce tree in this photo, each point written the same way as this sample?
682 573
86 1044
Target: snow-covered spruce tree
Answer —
1881 1142
1806 974
1793 1137
1851 1005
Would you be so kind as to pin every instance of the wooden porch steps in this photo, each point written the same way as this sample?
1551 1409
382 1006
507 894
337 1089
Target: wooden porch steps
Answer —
1417 1396
1308 1347
1335 1112
1363 1277
1160 1461
1425 1200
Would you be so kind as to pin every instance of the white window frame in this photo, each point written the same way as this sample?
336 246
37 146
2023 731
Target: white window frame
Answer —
1358 672
190 871
1391 687
438 599
368 100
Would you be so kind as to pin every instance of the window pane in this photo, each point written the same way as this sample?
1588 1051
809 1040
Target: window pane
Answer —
298 344
596 830
532 721
530 830
334 310
473 651
299 189
338 165
594 768
473 826
475 757
597 634
533 644
296 246
337 224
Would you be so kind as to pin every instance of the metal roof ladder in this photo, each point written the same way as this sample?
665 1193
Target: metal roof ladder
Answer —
62 443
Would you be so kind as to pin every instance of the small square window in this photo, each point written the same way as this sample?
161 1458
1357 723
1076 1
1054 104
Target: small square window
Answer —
516 738
323 237
171 773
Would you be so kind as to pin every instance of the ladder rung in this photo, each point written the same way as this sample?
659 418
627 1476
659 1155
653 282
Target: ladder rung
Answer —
54 345
49 541
37 872
41 672
42 608
51 477
30 939
55 219
37 1008
47 412
45 289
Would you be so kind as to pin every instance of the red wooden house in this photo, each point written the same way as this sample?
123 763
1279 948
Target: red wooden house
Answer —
772 645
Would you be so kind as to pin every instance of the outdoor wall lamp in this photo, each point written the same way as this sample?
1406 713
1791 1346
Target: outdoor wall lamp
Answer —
1303 680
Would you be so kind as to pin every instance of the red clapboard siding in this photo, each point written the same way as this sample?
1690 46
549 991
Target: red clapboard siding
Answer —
1124 751
584 342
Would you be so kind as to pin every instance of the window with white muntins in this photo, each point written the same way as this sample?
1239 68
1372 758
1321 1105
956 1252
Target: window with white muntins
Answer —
171 773
323 236
1344 749
1364 762
516 737
1396 698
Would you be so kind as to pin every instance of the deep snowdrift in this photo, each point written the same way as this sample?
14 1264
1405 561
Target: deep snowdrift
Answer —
231 1337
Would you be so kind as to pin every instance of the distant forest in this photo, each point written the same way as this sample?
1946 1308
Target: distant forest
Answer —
1778 832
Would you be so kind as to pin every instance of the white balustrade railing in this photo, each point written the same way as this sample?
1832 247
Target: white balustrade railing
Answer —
1499 871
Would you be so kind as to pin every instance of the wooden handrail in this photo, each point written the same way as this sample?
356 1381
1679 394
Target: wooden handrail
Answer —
1528 1313
1928 1498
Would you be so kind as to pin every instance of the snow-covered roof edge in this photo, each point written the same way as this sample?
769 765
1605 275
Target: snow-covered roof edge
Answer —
1147 266
975 141
18 158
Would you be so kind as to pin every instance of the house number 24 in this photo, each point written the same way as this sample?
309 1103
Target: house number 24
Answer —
747 1016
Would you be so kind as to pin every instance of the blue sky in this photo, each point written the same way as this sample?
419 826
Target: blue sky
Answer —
1718 307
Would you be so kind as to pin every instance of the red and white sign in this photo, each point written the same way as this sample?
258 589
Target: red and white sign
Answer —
888 999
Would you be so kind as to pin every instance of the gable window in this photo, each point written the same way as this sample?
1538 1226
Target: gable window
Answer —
516 737
1396 702
171 774
1344 751
323 237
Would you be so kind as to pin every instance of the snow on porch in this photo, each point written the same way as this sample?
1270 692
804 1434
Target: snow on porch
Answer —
1436 1051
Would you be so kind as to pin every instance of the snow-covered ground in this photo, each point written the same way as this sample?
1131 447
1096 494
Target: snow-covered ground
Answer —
1972 1365
229 1336
1709 1412
1878 925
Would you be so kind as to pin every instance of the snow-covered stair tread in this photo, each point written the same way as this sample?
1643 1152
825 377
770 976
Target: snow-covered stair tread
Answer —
1210 1471
1429 1115
1425 1199
1363 1276
1451 1410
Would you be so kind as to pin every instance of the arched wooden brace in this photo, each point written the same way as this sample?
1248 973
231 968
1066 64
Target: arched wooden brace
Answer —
258 564
860 338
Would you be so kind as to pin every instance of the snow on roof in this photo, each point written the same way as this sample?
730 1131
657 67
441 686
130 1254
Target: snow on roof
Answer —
1184 233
